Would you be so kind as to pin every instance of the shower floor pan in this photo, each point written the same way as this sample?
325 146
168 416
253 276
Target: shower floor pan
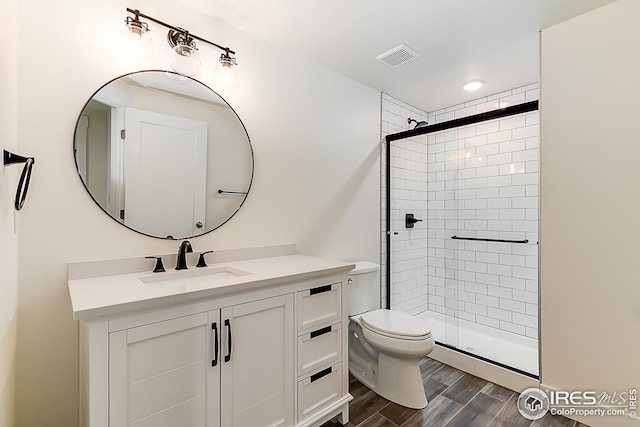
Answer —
505 348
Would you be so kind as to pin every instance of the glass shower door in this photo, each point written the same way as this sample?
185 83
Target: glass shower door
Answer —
448 185
493 238
470 267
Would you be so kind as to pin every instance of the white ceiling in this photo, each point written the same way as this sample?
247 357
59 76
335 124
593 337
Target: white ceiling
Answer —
458 40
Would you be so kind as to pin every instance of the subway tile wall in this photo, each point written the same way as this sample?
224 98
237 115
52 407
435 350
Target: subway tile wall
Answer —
408 194
473 181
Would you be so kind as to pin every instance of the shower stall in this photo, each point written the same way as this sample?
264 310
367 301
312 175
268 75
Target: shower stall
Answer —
460 203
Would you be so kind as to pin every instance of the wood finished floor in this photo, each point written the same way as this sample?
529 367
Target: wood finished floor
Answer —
456 399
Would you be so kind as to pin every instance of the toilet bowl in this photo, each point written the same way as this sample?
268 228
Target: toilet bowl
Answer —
385 346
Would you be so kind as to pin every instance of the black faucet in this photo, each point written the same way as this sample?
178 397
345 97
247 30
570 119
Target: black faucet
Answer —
182 259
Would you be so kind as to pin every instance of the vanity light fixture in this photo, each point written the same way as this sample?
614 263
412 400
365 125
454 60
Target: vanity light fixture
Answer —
140 41
185 59
225 74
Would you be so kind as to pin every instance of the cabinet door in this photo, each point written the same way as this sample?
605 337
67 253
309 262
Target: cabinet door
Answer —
257 382
161 373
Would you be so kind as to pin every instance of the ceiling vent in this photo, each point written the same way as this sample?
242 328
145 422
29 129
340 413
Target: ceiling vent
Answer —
398 56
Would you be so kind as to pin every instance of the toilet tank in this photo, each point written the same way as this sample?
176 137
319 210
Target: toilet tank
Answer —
364 288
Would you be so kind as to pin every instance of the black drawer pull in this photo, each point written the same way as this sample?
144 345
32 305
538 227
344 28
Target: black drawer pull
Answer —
320 289
228 326
320 331
214 327
320 374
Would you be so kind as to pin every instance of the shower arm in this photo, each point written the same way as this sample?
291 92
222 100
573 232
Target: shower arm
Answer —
419 124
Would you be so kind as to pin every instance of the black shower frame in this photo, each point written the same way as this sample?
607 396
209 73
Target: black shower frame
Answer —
464 121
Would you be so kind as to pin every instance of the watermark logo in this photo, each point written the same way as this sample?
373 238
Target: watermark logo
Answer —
533 404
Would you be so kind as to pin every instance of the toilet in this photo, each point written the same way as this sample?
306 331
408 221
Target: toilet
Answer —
385 346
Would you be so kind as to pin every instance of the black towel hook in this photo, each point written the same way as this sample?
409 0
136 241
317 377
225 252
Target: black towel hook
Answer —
23 185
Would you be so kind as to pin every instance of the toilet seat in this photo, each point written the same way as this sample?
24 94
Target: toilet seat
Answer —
395 324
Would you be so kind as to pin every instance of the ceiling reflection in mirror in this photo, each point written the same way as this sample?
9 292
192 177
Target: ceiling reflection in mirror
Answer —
163 154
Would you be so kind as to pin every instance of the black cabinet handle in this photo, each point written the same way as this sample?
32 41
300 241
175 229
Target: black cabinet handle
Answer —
227 324
319 289
323 373
214 326
320 331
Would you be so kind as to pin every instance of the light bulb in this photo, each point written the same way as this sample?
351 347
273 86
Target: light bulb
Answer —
225 73
185 60
140 42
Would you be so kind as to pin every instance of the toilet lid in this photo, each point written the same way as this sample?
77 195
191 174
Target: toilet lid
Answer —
396 324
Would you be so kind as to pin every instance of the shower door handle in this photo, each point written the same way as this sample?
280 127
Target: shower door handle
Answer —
410 220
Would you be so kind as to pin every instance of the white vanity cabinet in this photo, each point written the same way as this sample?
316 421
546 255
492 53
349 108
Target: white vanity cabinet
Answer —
225 367
271 356
320 348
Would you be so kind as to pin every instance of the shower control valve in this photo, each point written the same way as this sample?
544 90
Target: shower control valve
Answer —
410 220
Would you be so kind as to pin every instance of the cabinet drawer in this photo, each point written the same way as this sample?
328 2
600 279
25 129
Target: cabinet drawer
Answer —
319 347
319 306
319 391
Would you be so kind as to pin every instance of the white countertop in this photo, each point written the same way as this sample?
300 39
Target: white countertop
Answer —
120 293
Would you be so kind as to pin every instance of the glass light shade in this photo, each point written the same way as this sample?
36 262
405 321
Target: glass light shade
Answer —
226 74
185 60
140 42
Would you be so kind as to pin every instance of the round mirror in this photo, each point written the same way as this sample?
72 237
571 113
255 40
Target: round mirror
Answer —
163 154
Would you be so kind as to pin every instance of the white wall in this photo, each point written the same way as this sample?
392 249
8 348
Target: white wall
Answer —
590 203
8 234
316 140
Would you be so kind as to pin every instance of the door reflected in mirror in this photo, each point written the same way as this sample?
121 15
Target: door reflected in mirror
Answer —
163 154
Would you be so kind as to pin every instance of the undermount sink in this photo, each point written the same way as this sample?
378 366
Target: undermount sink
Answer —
187 277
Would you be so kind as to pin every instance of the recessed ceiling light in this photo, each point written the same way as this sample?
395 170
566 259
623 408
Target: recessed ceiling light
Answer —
473 85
